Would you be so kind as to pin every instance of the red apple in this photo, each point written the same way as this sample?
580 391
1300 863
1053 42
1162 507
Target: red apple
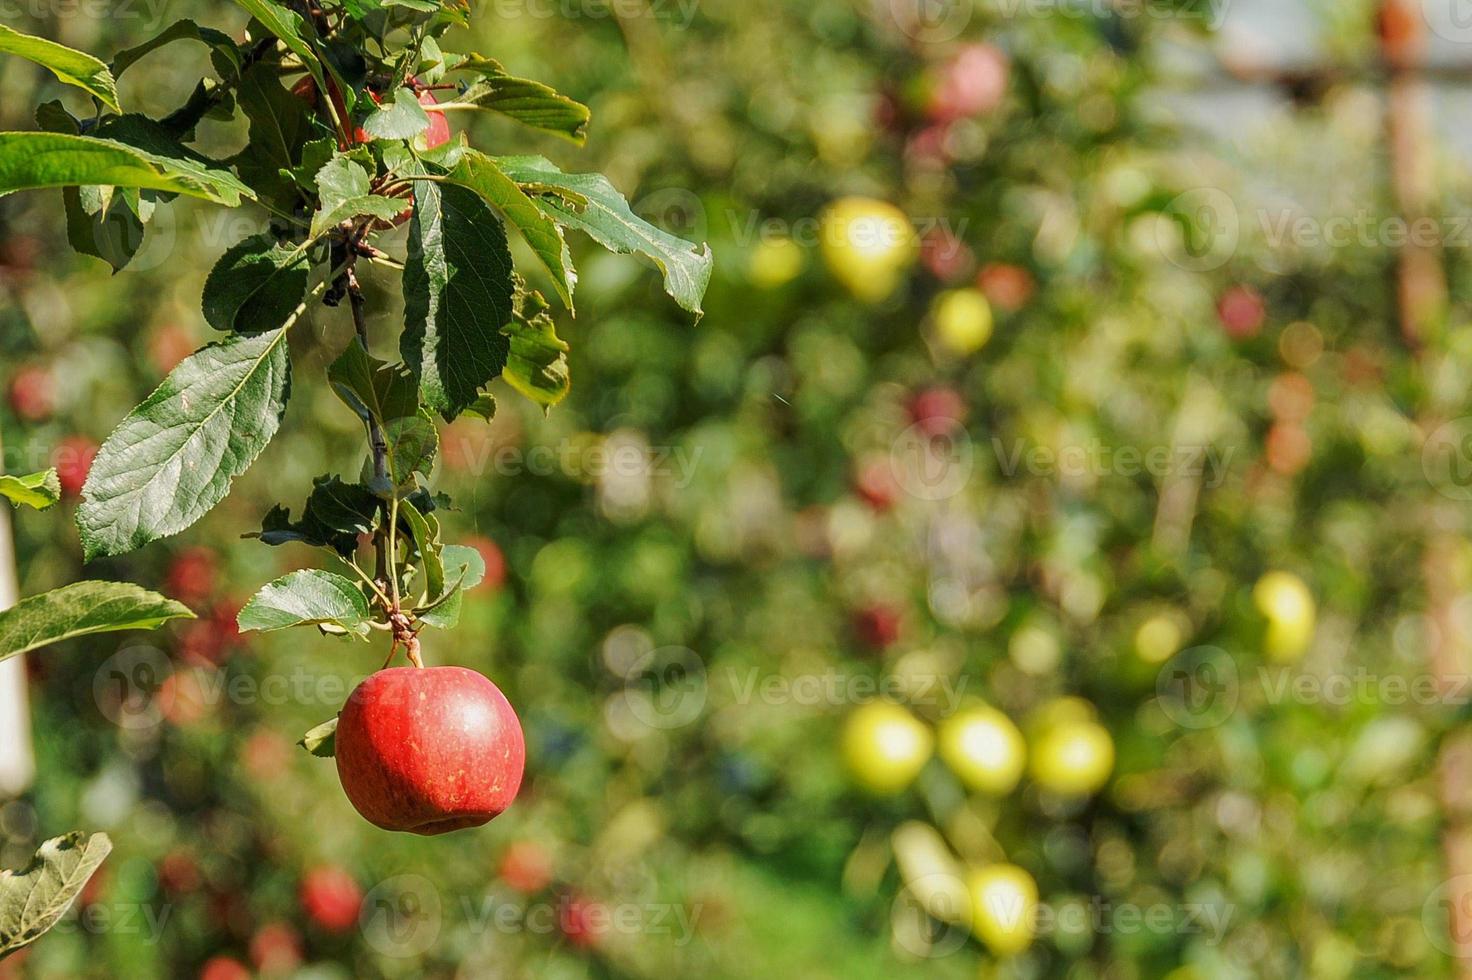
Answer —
947 257
1007 286
438 133
526 867
223 968
178 872
495 561
877 626
429 749
33 394
938 411
1242 312
331 898
874 481
191 575
973 83
582 921
73 461
276 948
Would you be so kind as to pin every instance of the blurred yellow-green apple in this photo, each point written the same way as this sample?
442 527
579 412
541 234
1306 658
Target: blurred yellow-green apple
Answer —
1004 903
984 749
885 746
962 320
1288 606
1071 753
867 244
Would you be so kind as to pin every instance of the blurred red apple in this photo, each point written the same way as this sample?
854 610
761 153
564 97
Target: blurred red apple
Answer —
223 968
877 626
168 345
583 921
33 394
938 411
276 948
972 83
429 749
331 898
490 553
1007 286
875 483
191 575
1242 312
526 867
178 872
73 461
947 257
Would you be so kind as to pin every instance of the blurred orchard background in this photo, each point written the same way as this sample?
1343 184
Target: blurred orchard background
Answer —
1049 556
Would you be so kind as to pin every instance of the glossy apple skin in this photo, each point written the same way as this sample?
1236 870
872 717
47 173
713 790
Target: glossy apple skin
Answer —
429 750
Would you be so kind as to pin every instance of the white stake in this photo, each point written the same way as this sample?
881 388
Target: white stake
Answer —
17 762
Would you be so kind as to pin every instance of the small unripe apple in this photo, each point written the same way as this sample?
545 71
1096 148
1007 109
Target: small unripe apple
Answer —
775 262
885 747
1072 754
1159 638
963 320
429 750
1288 606
984 749
331 898
867 244
1004 903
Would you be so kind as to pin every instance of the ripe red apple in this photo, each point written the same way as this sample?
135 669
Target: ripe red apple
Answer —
73 461
526 867
178 872
947 257
429 749
874 481
973 83
1007 286
33 394
331 898
223 968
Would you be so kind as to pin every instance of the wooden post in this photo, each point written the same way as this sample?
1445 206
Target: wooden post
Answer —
1421 293
17 761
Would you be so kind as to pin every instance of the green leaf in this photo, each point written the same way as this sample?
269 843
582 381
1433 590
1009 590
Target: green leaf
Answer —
524 100
113 234
427 544
335 514
82 609
465 569
346 193
161 146
322 740
479 173
35 898
484 407
537 364
181 30
402 119
607 218
256 285
32 160
72 67
457 295
35 490
293 31
375 390
309 597
281 128
412 442
175 456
